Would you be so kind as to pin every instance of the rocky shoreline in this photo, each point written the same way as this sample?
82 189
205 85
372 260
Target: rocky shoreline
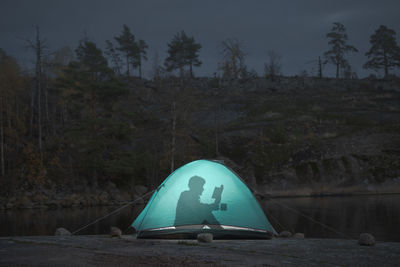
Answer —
115 197
129 251
50 199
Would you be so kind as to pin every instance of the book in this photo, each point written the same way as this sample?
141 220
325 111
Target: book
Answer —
217 192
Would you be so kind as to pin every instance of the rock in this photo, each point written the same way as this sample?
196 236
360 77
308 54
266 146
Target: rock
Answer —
3 202
52 204
112 188
205 238
24 203
103 199
119 198
285 234
91 200
115 231
366 239
62 232
141 189
298 235
39 198
73 199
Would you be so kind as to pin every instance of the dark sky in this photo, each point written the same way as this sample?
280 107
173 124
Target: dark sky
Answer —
295 29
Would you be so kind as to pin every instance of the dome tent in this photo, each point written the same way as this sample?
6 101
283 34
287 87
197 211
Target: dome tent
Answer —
203 197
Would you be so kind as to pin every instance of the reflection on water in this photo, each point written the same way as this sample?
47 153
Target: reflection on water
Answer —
45 222
378 215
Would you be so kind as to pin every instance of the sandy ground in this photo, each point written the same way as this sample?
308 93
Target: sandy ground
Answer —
128 251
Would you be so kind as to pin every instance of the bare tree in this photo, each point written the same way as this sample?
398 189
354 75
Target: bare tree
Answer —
272 68
173 134
319 67
39 46
156 68
233 56
114 56
339 47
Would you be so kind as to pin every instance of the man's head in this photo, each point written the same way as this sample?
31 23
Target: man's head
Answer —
196 184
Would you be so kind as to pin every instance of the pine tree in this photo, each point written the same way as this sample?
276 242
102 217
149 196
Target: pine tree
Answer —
128 46
384 52
9 87
183 51
142 54
339 47
114 56
91 91
192 57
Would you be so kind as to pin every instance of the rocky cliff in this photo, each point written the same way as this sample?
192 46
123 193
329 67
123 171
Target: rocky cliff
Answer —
308 136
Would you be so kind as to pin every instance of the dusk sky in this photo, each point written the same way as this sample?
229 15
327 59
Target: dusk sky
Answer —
294 29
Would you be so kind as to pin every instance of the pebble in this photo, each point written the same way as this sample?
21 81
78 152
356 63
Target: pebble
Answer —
205 238
366 239
115 231
62 232
298 235
285 234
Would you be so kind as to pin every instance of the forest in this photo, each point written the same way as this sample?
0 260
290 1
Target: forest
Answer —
87 117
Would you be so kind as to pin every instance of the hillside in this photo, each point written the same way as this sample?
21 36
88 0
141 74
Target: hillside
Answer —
294 136
302 136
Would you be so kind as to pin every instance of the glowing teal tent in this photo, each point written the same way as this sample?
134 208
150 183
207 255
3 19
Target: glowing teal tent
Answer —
203 196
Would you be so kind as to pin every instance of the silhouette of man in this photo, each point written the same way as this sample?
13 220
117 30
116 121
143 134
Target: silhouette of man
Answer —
190 211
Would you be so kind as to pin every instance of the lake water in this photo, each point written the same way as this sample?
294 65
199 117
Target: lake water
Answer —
341 216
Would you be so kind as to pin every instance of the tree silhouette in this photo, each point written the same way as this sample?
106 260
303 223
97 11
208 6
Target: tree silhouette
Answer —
339 47
114 56
142 46
183 51
128 47
273 67
233 58
384 52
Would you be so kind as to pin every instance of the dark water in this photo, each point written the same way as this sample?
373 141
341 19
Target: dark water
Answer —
350 216
345 216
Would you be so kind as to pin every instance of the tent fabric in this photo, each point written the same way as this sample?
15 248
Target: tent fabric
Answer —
202 196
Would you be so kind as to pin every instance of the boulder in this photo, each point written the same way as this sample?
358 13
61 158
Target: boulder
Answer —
39 199
103 199
91 200
285 234
66 203
73 199
111 186
115 231
366 239
118 198
53 204
62 232
3 202
24 203
10 203
205 238
298 235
